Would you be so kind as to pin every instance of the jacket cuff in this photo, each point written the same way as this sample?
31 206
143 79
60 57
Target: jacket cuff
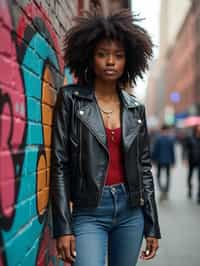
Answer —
61 228
155 234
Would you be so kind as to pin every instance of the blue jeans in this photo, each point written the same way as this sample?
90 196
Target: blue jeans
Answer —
113 230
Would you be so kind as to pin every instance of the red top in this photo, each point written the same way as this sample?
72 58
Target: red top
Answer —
115 174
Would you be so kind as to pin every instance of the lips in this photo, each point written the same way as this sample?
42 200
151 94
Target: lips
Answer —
110 71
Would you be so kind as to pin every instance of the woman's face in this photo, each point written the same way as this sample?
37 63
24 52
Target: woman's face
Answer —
109 60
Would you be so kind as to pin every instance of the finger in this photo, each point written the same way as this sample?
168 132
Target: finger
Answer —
59 252
147 250
68 256
142 255
148 246
145 253
73 247
63 255
150 255
59 256
150 251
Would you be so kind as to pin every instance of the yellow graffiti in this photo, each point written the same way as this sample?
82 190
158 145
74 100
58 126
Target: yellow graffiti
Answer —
43 176
65 81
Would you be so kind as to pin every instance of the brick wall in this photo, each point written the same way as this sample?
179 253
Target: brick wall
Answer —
181 68
31 71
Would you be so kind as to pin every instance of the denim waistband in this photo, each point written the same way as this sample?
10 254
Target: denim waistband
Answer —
121 187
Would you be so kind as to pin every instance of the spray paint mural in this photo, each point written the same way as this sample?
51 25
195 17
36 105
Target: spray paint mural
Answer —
31 69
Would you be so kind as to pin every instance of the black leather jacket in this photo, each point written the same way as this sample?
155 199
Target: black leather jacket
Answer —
80 157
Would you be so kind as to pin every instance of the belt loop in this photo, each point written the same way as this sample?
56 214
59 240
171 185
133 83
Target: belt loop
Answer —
124 188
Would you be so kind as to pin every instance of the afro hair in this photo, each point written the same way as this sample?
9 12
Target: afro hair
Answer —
91 27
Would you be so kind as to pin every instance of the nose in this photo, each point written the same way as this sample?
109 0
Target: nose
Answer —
110 60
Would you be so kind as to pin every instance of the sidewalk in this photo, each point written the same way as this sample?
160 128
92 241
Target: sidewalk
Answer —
180 224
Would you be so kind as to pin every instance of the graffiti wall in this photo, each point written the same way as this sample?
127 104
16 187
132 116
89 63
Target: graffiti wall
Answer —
31 71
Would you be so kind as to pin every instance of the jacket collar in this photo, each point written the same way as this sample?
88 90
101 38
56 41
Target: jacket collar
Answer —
128 100
88 93
83 92
89 114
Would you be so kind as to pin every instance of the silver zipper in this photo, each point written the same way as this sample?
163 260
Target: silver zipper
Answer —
80 152
140 178
104 181
80 157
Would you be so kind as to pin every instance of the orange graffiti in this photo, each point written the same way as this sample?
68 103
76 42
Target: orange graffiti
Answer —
43 176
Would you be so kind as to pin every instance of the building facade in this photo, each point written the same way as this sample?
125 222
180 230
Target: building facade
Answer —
172 16
166 97
182 73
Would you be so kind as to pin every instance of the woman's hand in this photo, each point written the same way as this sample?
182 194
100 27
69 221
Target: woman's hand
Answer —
151 248
65 246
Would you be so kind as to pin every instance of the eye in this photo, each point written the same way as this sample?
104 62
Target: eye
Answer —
101 54
120 55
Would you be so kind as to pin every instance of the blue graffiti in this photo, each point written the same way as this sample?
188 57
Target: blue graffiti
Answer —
22 239
68 76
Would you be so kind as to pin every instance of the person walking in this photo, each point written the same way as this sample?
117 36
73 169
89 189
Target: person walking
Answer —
164 157
100 150
192 156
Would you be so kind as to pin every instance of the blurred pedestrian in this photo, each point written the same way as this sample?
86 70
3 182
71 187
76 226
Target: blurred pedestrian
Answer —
192 155
164 156
100 151
153 133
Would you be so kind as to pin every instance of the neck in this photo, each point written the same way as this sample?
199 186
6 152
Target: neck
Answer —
106 90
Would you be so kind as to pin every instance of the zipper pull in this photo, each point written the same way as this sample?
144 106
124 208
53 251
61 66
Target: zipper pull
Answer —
141 201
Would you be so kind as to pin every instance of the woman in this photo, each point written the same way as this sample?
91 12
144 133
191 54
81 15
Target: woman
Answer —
100 152
164 157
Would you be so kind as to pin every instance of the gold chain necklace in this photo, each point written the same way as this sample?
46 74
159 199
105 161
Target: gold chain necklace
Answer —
108 113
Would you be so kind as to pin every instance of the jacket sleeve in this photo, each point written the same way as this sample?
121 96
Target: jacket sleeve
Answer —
151 225
60 168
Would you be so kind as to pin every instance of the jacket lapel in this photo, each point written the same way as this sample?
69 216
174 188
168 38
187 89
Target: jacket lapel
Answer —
131 122
130 128
91 117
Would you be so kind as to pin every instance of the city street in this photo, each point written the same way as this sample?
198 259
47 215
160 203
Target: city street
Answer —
66 71
180 223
